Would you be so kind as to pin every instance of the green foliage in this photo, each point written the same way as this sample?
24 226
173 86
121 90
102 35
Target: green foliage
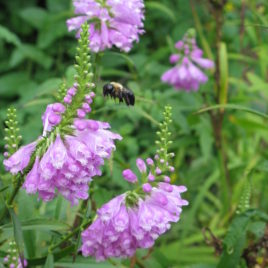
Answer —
37 54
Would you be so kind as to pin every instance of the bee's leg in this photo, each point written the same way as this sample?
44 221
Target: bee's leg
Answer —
131 98
112 94
120 96
126 98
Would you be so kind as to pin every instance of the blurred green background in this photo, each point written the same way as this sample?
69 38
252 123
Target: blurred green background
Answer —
37 52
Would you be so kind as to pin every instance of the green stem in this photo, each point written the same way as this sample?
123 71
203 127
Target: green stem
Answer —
199 28
10 200
67 237
96 68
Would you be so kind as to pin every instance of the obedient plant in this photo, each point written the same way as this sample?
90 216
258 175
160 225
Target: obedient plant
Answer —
135 219
72 148
13 260
70 152
187 74
112 22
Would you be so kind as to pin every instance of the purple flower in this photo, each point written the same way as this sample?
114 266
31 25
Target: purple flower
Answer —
20 159
113 22
150 161
69 165
187 72
121 229
129 176
141 165
146 187
151 177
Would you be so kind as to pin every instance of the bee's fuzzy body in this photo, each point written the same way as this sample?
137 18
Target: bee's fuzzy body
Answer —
116 90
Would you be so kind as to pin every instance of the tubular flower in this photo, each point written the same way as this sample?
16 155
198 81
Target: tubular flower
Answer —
187 73
113 22
19 160
122 226
70 161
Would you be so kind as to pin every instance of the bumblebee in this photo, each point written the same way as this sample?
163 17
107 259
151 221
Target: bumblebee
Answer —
116 90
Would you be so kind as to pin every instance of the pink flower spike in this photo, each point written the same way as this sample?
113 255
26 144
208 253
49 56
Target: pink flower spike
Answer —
80 124
92 94
81 113
146 187
86 107
151 177
6 154
179 45
174 58
93 125
54 119
120 23
158 171
167 179
141 165
58 107
129 176
72 91
171 169
67 99
156 157
150 161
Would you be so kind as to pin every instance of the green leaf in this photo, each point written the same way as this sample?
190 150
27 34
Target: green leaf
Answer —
54 28
223 61
9 37
82 262
263 166
234 242
17 231
30 52
10 83
167 12
231 107
49 86
3 189
35 16
50 261
39 225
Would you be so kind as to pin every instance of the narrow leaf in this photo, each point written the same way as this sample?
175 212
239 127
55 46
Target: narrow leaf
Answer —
224 74
17 231
50 261
153 5
8 36
231 107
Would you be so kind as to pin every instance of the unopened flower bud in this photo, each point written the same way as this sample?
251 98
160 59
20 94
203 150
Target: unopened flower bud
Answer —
129 176
146 187
141 165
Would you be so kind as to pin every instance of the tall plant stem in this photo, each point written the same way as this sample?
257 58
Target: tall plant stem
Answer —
217 119
11 198
70 235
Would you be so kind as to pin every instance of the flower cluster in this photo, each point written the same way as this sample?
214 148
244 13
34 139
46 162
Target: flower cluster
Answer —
72 148
12 137
137 218
12 260
121 229
69 162
112 22
187 73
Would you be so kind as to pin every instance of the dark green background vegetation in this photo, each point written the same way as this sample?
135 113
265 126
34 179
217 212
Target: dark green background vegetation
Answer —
37 52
